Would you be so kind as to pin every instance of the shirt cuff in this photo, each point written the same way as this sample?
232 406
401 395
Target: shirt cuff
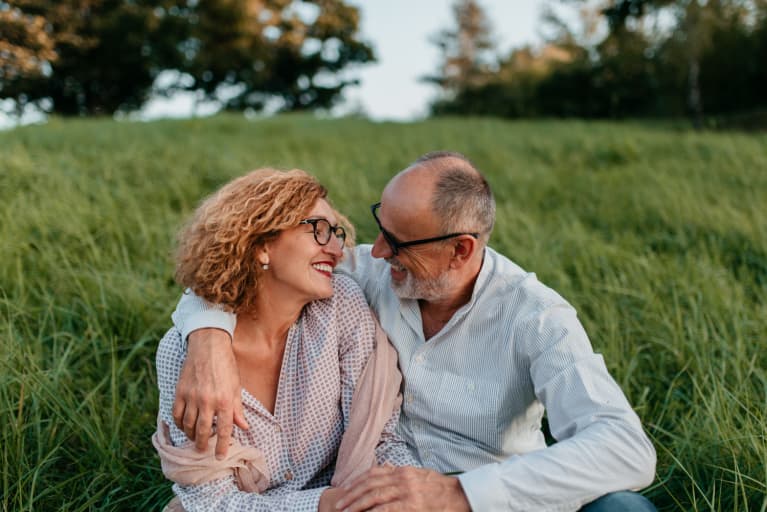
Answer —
208 319
483 488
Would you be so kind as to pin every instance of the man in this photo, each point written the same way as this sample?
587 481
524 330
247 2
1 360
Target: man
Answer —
483 348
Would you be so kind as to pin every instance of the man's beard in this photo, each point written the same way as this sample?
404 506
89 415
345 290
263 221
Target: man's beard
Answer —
433 288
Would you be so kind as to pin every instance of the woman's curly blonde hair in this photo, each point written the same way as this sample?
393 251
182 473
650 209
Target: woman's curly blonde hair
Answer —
217 249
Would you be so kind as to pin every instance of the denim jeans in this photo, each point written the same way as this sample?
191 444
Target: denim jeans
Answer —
620 501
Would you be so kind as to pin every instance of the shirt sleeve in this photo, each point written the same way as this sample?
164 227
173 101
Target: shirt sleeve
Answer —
193 312
356 344
601 446
219 494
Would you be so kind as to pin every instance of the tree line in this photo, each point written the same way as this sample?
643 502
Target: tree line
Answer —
98 57
658 58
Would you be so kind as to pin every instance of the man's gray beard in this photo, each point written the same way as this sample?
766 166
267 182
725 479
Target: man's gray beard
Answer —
422 289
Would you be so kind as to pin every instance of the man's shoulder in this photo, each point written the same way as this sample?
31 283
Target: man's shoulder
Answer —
511 280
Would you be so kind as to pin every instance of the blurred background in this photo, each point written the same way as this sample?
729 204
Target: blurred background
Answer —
701 60
624 140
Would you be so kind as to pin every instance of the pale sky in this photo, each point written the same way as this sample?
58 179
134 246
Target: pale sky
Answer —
399 31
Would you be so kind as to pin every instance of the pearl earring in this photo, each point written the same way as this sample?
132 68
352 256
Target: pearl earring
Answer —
265 266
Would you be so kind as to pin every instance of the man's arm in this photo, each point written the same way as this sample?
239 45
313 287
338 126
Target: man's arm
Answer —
601 446
209 384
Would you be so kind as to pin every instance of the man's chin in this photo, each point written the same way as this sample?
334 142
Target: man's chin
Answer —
403 289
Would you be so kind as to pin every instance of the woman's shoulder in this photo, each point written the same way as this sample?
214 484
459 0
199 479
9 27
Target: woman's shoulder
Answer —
346 288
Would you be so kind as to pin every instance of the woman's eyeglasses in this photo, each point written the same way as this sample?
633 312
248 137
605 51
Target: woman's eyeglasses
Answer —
323 230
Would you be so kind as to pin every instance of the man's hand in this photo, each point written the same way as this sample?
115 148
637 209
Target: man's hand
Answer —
386 489
209 385
328 499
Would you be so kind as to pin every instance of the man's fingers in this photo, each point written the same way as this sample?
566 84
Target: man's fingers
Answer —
189 424
179 406
203 428
224 433
239 415
374 497
369 482
367 476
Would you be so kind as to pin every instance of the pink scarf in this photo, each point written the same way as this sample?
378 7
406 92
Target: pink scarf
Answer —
375 398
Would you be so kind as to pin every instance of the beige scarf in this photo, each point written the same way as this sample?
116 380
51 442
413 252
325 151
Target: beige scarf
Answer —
375 398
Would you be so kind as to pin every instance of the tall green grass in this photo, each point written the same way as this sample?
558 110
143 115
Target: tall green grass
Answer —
657 236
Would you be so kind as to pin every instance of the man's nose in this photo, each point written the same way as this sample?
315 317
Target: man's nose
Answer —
380 248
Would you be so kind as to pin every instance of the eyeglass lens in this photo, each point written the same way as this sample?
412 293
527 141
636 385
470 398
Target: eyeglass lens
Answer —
323 231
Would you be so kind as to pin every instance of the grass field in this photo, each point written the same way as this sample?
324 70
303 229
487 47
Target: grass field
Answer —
658 236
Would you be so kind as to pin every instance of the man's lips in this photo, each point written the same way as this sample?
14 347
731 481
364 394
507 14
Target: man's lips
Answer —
398 275
398 272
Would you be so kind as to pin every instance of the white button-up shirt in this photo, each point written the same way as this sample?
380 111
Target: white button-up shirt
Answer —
475 393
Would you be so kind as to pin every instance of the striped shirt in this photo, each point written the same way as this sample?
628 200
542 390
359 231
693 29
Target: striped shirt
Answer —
325 353
475 393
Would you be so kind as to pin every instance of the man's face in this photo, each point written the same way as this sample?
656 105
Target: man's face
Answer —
417 272
413 285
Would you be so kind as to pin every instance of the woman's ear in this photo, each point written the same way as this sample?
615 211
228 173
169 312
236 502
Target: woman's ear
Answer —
262 256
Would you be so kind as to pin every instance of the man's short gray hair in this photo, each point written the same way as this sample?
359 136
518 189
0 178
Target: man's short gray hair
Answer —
462 201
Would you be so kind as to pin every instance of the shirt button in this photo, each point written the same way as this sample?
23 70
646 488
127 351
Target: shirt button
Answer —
419 359
470 386
278 428
288 475
409 398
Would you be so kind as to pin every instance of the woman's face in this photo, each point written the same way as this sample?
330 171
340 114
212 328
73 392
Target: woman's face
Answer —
301 266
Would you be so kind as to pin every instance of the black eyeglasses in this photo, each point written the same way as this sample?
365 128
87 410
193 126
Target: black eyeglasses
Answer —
323 230
395 246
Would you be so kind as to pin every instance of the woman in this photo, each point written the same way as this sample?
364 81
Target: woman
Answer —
265 246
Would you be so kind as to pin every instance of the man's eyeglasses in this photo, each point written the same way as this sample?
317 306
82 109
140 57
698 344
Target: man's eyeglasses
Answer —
323 231
395 246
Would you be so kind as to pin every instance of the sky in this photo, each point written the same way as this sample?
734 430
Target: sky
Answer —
399 31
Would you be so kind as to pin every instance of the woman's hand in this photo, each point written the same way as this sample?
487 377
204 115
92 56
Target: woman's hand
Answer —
208 387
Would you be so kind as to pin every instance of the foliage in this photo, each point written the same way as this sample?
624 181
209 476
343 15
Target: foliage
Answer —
107 54
706 61
86 57
657 236
467 50
266 49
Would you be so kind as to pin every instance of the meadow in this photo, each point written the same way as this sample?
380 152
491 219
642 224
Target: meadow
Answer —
657 235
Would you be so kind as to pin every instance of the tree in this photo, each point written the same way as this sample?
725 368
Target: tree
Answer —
26 46
468 50
256 50
85 57
105 54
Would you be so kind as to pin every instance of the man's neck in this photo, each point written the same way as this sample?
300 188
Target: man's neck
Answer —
435 314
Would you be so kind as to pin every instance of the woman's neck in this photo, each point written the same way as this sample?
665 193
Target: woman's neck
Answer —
259 344
269 321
